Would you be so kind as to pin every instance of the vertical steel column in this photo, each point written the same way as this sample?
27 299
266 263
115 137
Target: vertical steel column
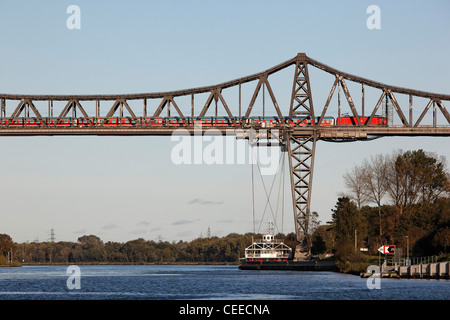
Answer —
301 153
301 100
192 105
410 111
97 111
145 108
301 163
3 109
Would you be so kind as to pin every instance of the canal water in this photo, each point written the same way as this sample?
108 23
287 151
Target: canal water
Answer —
196 282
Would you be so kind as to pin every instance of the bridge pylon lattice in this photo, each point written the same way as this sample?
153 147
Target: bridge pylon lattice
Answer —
301 150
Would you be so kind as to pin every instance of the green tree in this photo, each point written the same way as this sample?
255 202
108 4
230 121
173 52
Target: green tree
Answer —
416 177
441 239
91 249
323 240
6 244
318 245
345 220
115 252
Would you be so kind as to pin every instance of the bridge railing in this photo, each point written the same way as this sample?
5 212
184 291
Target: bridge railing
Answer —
418 260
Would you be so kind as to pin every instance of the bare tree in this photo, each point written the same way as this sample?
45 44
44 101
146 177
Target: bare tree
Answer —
375 182
354 181
397 180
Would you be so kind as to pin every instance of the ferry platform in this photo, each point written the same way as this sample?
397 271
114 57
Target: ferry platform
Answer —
289 265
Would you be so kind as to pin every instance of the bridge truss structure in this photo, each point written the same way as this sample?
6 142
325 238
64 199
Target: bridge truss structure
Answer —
298 128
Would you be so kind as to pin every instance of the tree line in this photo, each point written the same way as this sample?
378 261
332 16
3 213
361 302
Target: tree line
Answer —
91 249
401 199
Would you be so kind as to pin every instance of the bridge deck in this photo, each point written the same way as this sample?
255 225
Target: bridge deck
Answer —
322 132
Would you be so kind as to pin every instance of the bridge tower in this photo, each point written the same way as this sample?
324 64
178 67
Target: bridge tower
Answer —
301 150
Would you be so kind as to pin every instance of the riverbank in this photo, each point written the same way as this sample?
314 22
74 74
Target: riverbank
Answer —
358 269
313 265
123 264
13 264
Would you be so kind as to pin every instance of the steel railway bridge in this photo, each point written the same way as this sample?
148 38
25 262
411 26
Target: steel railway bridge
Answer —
298 129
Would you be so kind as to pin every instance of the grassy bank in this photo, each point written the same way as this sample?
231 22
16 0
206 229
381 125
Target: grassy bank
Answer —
13 264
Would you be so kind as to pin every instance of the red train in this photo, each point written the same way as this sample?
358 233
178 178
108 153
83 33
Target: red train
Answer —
177 121
352 121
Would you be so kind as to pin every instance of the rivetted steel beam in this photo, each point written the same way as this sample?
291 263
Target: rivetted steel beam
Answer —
298 132
376 84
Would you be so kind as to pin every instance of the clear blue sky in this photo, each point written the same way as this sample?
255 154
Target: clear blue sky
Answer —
123 188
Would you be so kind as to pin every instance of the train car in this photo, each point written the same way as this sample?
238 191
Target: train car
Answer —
85 122
347 120
212 121
225 121
181 122
326 121
175 121
263 121
14 123
297 121
120 122
23 122
62 122
155 121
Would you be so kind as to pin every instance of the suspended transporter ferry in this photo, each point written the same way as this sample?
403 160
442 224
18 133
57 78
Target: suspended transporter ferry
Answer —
267 250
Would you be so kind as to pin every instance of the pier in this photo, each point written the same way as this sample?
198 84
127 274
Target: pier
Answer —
437 270
417 268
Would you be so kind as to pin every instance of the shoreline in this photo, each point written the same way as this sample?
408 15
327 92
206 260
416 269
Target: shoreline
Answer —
294 266
117 264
